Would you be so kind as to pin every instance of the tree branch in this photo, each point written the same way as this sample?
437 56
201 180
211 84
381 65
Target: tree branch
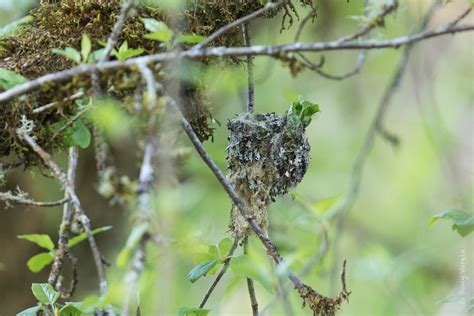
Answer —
224 268
250 287
62 178
232 51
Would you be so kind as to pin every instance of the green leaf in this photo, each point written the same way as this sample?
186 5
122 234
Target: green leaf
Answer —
190 39
202 269
301 112
133 239
44 293
224 248
9 79
186 311
463 222
129 53
77 135
96 55
159 30
41 240
32 311
70 310
15 26
246 266
69 52
86 47
39 261
74 241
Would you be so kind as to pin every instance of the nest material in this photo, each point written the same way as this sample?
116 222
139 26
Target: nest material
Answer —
267 155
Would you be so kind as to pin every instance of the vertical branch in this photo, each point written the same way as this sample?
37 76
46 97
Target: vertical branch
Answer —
64 230
62 178
251 288
250 82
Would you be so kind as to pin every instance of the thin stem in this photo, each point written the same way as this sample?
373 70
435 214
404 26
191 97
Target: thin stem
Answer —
250 287
219 276
250 83
62 178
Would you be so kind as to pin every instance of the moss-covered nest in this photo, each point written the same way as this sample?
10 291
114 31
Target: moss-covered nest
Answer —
267 154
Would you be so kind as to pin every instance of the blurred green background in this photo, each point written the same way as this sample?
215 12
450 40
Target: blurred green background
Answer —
397 263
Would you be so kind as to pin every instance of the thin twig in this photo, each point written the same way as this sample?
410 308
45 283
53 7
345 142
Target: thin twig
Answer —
250 83
64 229
311 15
250 286
231 51
11 198
112 40
62 178
58 103
267 7
376 126
71 122
219 276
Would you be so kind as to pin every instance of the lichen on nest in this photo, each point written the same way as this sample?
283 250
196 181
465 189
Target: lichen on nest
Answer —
267 155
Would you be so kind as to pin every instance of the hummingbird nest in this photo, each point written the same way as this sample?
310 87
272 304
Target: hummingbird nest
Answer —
267 155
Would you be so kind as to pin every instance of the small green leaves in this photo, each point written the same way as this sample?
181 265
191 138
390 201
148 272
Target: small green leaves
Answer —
301 112
69 52
159 31
125 53
32 311
202 269
190 39
463 222
246 266
44 293
41 240
109 115
74 241
186 311
70 310
77 135
86 47
39 261
132 241
15 26
9 79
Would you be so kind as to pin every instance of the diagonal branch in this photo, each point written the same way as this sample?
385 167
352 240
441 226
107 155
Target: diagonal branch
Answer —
68 187
317 302
220 275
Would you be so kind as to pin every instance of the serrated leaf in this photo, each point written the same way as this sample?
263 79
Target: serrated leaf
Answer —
86 47
44 293
463 222
41 240
186 311
9 79
39 261
133 239
202 269
70 53
32 311
190 39
245 266
70 310
74 241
